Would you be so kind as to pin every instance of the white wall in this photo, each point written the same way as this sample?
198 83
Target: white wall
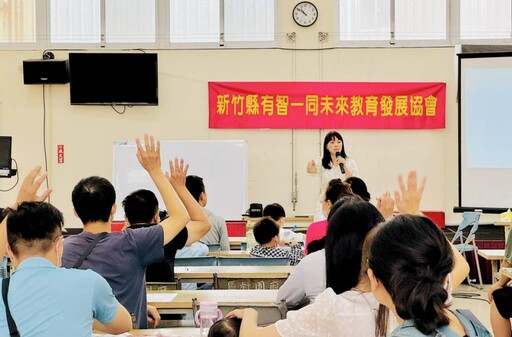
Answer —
88 133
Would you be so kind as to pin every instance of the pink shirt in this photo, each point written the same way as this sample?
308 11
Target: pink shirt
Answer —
316 231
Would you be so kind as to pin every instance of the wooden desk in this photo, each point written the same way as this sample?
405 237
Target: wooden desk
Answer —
182 303
205 274
507 272
502 223
495 256
506 227
235 241
230 253
300 223
178 331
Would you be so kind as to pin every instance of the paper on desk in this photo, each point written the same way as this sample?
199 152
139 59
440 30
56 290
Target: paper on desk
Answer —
161 297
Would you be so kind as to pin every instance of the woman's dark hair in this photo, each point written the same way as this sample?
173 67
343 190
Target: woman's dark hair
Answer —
336 189
326 159
228 327
382 319
346 231
358 187
411 257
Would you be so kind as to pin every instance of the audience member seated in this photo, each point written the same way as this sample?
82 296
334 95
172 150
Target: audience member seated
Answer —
43 299
336 189
122 257
219 231
409 264
286 236
347 308
358 187
141 211
266 233
350 219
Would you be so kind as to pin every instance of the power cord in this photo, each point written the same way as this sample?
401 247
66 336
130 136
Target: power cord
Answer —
113 106
44 140
17 177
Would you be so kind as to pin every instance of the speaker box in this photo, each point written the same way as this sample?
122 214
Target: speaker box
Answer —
45 72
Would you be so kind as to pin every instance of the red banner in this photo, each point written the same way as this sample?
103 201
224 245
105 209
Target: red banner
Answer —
327 105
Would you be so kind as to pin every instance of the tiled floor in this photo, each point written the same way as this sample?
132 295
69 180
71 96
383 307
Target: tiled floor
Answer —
466 297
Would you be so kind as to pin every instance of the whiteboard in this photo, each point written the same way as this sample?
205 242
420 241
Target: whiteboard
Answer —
221 163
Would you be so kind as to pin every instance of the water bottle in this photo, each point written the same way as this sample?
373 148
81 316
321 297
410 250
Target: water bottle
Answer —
207 314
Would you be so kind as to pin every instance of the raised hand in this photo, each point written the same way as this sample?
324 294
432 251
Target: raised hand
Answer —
30 185
386 205
409 197
149 155
178 175
311 167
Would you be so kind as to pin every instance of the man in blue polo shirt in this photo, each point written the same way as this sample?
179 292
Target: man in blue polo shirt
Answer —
122 257
45 300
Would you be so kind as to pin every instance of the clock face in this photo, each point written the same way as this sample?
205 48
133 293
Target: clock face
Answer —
305 14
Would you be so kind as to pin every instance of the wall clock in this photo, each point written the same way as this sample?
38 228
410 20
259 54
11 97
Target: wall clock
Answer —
305 13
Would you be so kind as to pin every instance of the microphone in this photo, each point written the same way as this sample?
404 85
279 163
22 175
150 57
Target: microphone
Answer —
338 155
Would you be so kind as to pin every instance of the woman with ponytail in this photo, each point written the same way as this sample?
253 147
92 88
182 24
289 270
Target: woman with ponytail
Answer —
409 263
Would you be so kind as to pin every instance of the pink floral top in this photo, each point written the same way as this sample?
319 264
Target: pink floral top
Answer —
350 314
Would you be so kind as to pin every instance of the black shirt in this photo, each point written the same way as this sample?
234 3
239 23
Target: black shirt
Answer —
164 271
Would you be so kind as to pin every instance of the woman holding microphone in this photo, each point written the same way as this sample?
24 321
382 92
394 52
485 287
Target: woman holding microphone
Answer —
334 164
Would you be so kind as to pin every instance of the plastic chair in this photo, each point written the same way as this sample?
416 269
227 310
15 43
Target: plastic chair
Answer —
213 247
253 261
469 219
195 261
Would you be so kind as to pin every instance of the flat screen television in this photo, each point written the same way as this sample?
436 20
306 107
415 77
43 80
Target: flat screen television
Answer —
113 78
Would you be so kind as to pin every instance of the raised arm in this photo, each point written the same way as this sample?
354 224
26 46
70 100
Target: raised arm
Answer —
27 192
408 202
149 158
199 224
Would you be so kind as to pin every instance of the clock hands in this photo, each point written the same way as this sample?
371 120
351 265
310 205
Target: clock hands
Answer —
300 10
